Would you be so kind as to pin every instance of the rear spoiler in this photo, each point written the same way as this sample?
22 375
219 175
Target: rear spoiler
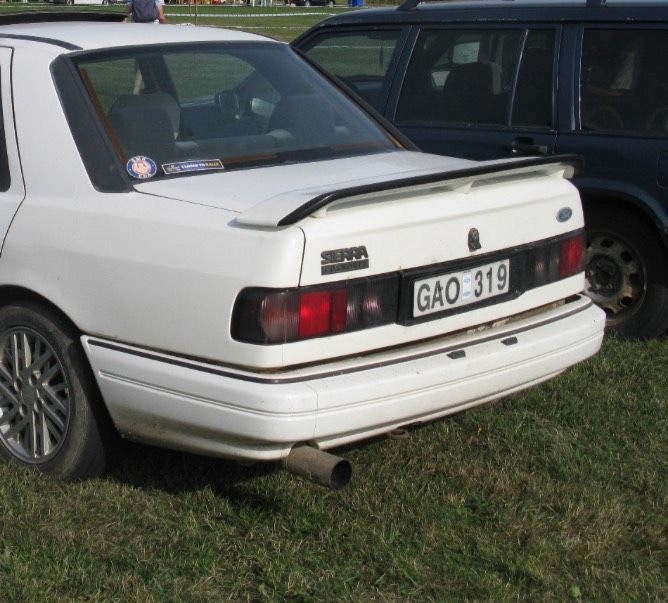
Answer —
272 212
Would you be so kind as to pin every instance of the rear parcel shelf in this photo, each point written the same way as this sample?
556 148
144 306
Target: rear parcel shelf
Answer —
290 209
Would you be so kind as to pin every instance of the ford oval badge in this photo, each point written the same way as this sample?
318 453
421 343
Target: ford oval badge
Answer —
564 214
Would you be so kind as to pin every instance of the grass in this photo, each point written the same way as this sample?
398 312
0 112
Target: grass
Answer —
280 22
555 494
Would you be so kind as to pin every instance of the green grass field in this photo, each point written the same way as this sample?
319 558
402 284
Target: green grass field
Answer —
280 22
556 494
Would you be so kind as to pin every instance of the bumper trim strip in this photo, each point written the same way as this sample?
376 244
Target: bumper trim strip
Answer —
253 378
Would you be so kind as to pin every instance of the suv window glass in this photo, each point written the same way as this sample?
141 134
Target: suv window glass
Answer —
624 83
360 59
460 76
259 104
533 96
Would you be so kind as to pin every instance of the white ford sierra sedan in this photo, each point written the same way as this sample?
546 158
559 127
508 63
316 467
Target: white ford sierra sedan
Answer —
209 246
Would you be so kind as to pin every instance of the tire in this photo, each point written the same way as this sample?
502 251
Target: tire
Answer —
626 272
51 417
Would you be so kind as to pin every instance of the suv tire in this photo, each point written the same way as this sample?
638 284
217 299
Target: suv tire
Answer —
626 272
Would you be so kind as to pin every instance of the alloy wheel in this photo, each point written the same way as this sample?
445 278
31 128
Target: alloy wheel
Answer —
34 396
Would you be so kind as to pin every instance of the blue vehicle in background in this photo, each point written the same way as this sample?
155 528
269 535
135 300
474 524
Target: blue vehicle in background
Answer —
498 78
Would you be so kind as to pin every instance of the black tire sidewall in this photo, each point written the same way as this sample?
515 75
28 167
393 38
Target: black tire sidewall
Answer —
81 454
650 317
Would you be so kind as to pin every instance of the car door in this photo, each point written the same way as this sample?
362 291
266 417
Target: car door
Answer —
620 118
11 182
478 91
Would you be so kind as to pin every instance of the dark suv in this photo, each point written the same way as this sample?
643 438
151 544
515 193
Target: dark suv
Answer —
497 78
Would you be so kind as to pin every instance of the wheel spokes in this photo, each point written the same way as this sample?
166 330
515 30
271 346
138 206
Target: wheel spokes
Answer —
34 396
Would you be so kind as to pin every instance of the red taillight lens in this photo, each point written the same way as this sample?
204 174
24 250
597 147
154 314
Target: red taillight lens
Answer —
268 316
572 256
322 312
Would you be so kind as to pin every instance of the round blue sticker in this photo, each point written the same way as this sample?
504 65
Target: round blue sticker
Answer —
141 167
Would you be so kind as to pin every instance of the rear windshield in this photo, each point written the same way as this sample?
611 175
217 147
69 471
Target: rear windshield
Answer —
179 109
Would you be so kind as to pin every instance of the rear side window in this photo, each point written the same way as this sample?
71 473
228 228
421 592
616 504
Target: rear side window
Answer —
468 77
460 76
624 83
361 60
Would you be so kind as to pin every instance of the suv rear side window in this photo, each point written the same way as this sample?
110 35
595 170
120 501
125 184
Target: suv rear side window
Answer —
463 76
460 76
624 84
361 60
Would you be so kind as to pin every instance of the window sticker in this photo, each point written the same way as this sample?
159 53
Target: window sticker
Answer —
141 167
198 165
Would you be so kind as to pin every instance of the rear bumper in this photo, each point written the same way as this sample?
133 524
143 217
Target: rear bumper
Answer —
204 408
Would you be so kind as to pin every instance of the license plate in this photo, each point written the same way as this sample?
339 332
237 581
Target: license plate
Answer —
456 289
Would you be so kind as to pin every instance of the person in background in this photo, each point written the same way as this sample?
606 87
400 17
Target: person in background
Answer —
146 11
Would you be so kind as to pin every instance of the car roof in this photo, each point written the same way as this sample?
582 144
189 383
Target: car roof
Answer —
480 11
67 36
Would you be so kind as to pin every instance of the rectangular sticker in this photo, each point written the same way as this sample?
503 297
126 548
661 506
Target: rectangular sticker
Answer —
196 165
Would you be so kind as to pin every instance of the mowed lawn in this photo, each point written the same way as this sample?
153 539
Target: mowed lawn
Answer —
556 494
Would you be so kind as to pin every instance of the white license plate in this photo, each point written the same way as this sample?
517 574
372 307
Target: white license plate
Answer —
455 289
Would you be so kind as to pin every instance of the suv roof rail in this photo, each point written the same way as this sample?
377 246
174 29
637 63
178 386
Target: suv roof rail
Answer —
50 16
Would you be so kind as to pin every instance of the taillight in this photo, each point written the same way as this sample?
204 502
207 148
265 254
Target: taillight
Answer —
270 316
549 263
572 256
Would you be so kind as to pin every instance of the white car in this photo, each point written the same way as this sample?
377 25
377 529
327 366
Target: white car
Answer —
211 247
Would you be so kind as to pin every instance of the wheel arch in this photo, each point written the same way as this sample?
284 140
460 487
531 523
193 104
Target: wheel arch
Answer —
631 204
14 294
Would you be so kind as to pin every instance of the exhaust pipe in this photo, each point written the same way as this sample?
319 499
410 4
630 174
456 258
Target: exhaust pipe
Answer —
318 466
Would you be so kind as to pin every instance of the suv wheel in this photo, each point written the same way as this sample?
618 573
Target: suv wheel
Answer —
48 399
626 272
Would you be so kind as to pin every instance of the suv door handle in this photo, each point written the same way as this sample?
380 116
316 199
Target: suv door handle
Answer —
527 146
